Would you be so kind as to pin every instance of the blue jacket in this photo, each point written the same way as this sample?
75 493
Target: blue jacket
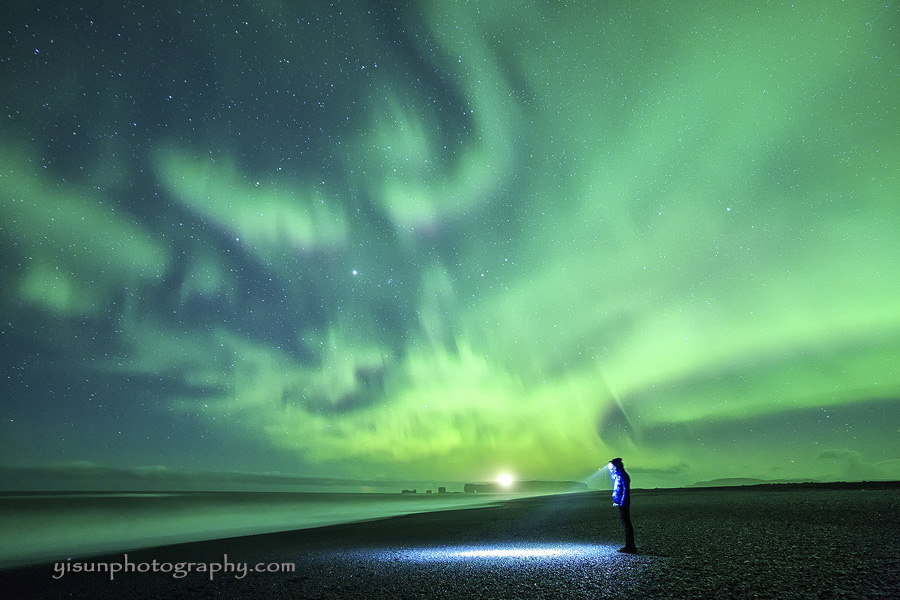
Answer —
621 494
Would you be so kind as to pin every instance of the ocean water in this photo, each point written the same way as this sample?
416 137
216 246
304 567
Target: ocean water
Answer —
37 528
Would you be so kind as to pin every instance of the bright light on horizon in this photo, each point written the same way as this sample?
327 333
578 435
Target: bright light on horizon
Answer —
505 479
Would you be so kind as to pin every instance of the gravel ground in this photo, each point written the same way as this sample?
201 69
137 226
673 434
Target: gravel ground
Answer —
733 543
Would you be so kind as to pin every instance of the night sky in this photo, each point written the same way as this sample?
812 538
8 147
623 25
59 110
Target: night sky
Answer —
444 240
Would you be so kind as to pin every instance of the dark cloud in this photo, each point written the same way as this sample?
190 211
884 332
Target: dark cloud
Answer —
95 477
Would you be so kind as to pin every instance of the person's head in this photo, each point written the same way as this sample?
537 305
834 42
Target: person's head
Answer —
617 464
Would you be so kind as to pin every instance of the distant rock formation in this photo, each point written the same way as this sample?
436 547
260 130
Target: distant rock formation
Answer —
744 481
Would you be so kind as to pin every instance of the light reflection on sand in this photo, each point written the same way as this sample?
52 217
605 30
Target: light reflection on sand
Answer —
523 551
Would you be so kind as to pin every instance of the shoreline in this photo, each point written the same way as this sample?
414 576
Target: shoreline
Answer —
786 543
101 523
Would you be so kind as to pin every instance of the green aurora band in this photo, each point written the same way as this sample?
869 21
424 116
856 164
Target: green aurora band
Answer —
439 242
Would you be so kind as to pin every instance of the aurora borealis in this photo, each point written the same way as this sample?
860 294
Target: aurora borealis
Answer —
443 240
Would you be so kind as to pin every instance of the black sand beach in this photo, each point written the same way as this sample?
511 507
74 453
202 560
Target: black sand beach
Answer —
769 542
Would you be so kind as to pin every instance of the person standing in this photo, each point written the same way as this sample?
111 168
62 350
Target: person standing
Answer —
621 495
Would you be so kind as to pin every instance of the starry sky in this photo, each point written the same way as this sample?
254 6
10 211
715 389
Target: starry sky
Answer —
281 241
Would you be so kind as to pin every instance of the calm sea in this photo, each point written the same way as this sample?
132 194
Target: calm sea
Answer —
44 527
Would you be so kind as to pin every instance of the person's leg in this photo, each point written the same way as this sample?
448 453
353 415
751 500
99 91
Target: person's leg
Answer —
625 515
